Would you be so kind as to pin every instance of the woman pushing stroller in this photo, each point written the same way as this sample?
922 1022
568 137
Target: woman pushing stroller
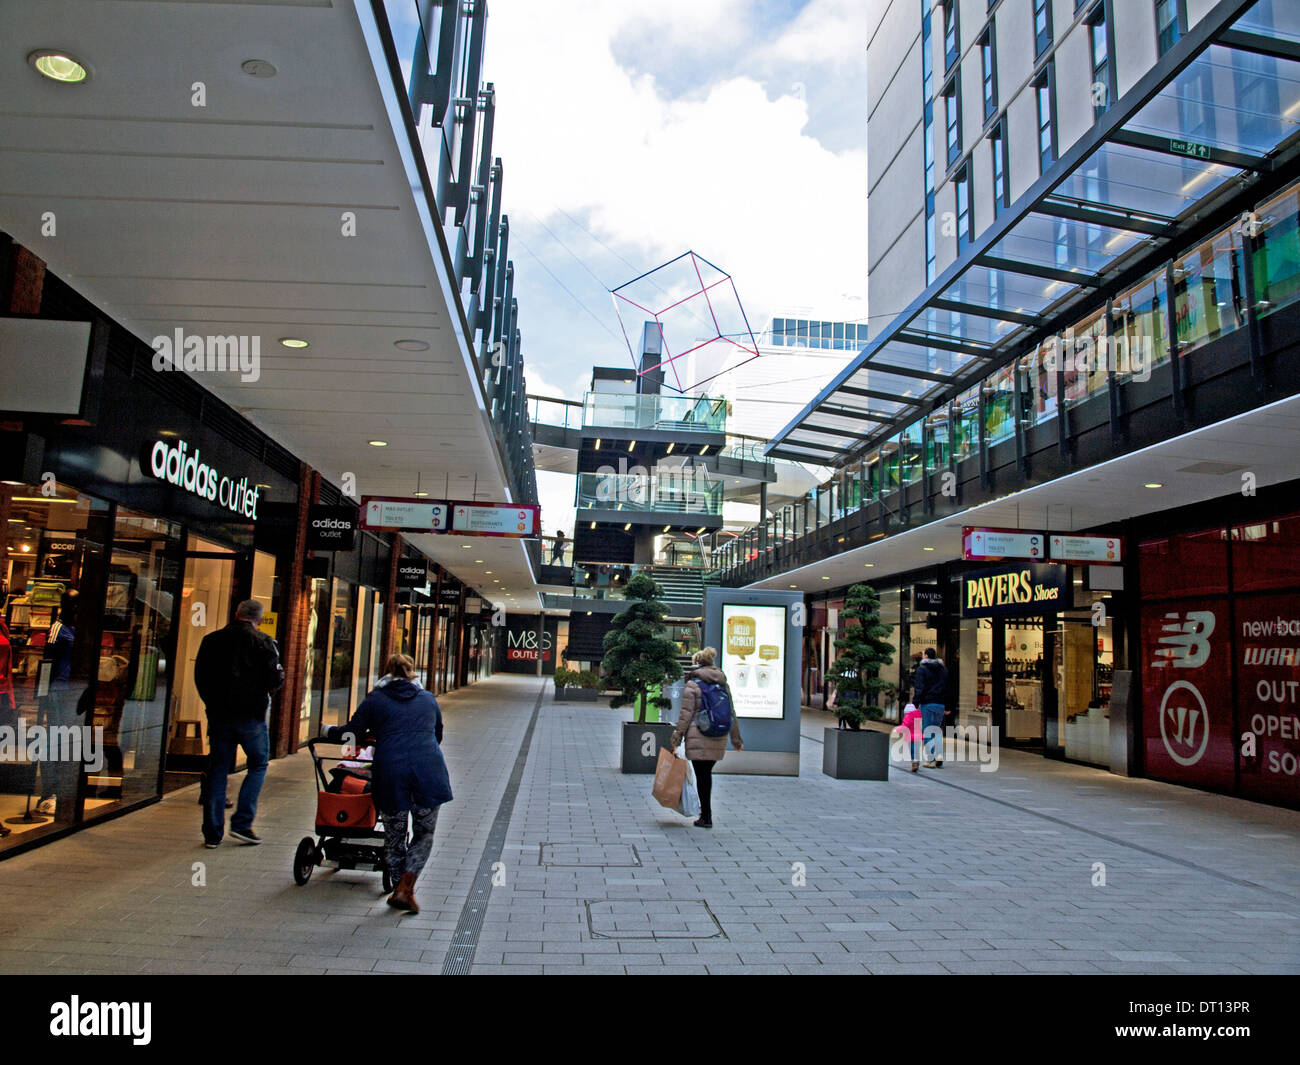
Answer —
409 776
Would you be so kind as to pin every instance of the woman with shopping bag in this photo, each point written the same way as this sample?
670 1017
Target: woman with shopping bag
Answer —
703 751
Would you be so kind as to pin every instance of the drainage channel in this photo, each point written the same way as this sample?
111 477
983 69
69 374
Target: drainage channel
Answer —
464 943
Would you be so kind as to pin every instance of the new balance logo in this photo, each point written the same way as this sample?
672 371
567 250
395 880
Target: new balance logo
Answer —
1186 640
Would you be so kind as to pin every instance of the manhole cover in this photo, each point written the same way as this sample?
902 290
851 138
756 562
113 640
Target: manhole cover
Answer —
650 919
589 854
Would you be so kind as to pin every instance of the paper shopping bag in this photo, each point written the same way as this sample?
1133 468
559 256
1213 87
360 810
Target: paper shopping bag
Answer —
670 774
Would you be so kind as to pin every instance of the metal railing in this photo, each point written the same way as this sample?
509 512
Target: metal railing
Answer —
616 410
687 491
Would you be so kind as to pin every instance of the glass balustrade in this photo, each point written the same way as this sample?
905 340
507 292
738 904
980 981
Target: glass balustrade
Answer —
616 410
679 490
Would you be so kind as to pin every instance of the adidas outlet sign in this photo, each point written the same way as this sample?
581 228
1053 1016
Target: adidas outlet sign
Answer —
179 465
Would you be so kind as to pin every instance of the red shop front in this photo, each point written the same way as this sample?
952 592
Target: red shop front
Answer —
1220 620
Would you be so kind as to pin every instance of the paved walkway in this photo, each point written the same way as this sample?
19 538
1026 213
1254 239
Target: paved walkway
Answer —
947 871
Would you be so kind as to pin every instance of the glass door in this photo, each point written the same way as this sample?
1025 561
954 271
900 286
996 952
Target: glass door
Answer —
207 588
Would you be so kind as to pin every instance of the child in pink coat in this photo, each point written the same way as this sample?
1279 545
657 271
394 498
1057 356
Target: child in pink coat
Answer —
911 726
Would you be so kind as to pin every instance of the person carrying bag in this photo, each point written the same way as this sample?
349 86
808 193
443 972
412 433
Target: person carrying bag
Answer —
707 719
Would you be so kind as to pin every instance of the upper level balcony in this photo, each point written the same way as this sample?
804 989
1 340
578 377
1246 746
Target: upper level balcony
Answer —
672 415
683 494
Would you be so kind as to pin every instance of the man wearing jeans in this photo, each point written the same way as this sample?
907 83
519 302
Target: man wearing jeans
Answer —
236 671
929 684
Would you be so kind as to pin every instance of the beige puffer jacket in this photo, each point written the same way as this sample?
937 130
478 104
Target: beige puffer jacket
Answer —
698 746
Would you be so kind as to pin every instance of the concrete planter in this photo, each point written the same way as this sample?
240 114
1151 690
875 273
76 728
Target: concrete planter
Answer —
638 739
571 694
862 755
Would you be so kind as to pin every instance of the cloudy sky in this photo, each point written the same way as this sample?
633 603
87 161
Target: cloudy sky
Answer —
634 130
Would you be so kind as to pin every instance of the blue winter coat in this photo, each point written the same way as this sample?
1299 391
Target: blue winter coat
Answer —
409 772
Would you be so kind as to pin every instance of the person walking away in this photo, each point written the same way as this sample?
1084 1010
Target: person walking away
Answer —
557 549
703 751
911 726
408 775
929 685
235 672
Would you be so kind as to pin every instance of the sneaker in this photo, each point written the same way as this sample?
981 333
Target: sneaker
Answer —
916 766
47 806
211 846
929 765
938 765
702 823
246 835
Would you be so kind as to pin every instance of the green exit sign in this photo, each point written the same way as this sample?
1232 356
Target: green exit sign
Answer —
1192 148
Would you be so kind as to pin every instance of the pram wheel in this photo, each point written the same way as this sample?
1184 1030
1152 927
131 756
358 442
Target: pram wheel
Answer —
388 882
304 861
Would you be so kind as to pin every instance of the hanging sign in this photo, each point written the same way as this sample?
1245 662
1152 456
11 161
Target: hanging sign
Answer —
396 514
991 545
412 574
496 519
1097 550
331 528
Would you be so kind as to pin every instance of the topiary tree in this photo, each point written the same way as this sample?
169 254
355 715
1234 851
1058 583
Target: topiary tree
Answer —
638 654
862 651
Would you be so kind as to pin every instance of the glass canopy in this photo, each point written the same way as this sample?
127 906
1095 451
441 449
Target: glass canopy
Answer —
1217 107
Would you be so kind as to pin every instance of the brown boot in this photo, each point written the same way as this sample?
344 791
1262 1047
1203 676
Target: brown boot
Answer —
403 897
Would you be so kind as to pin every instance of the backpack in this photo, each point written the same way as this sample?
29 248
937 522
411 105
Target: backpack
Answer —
713 718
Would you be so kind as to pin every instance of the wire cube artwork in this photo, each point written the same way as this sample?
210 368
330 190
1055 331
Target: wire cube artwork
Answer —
702 330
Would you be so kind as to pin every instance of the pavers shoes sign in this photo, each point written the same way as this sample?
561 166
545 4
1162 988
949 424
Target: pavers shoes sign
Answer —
1010 590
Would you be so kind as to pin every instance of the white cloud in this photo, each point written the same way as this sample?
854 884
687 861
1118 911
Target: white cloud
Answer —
728 170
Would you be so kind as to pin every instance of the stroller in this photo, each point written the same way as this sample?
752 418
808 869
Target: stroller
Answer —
346 820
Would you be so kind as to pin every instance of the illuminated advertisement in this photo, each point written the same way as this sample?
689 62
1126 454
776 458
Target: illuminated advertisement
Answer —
753 658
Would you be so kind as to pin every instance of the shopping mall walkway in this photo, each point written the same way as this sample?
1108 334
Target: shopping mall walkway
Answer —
947 871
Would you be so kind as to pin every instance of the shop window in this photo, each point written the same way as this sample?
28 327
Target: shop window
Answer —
999 406
1277 256
1140 340
965 430
910 453
1085 357
1185 564
1039 383
1208 292
1266 555
131 693
52 589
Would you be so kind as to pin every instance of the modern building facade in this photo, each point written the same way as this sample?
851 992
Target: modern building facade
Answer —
1086 214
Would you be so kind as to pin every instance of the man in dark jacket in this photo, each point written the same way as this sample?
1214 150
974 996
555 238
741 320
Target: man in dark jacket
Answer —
929 685
236 671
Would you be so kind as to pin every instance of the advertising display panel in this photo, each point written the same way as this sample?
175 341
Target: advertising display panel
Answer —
753 658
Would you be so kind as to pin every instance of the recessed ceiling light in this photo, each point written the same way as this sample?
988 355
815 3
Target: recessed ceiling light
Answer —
825 578
293 342
258 68
477 561
377 443
488 572
465 546
1153 484
869 565
411 345
927 549
59 66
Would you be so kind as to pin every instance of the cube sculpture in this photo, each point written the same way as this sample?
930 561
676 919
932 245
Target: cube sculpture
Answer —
698 313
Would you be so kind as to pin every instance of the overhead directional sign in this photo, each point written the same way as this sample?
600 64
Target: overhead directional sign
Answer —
1097 550
496 519
984 545
403 515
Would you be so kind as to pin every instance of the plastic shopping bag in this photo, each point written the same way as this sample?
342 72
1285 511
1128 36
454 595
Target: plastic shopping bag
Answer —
670 775
689 805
